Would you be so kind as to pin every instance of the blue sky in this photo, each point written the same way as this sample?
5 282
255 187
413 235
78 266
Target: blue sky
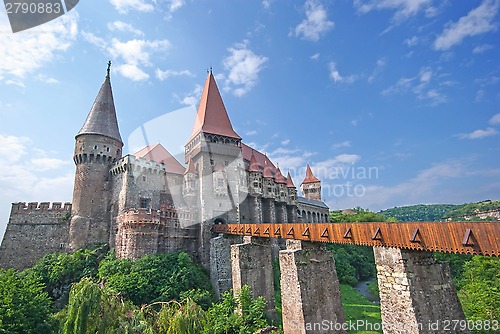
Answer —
392 102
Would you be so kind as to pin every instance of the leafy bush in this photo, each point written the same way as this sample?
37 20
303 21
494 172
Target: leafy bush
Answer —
158 277
24 306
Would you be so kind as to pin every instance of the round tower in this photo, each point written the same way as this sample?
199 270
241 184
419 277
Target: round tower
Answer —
311 186
98 145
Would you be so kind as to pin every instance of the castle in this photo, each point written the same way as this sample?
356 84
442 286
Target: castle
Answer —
148 202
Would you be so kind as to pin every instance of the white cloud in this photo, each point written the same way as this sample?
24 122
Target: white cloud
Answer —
193 97
123 6
478 21
132 72
25 52
378 69
482 48
47 79
125 27
25 179
133 53
251 133
266 4
342 144
316 22
495 119
425 187
45 163
163 75
285 142
337 77
404 8
478 134
315 56
244 67
411 41
420 85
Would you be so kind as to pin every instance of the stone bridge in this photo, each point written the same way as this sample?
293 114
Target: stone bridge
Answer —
417 294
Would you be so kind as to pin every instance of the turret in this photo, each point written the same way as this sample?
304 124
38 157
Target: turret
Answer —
292 190
269 184
282 191
255 177
98 145
311 186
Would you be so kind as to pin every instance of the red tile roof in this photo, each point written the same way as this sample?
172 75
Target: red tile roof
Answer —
253 165
212 115
310 178
262 159
159 154
289 181
279 177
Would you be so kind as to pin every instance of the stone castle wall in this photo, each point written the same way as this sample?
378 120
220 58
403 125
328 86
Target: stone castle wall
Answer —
34 229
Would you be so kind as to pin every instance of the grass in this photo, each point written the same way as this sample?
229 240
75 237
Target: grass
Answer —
359 310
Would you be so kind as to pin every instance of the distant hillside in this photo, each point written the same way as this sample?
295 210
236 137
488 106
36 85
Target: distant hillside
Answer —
420 212
485 210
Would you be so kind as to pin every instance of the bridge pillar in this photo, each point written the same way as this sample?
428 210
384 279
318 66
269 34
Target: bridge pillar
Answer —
417 294
310 290
252 265
220 262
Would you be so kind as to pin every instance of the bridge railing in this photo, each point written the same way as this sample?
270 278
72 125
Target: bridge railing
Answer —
480 238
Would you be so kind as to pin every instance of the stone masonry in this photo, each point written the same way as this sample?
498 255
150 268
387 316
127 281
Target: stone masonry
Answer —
417 294
310 290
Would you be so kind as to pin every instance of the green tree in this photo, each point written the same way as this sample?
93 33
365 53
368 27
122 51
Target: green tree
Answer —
249 317
480 288
157 277
24 306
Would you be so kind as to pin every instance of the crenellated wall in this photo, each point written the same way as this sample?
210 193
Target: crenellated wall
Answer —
34 229
142 232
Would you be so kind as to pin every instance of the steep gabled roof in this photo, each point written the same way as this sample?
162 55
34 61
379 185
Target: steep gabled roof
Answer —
253 165
160 154
289 181
262 159
212 115
279 177
268 170
101 119
310 178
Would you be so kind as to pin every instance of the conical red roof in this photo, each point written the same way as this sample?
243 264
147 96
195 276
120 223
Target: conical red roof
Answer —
212 115
279 177
289 181
253 165
268 171
310 178
101 119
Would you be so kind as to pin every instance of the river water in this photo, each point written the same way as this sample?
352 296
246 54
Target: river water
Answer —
362 288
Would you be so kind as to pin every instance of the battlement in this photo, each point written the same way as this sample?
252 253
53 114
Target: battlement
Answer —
132 163
166 212
23 207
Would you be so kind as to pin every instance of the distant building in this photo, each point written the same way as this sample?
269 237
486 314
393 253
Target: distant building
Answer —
148 202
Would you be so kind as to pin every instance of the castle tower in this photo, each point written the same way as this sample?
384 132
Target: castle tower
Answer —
215 150
98 145
189 187
311 186
292 199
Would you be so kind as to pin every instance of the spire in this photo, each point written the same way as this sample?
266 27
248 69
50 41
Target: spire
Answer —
212 115
101 119
253 165
267 170
279 177
310 178
289 181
